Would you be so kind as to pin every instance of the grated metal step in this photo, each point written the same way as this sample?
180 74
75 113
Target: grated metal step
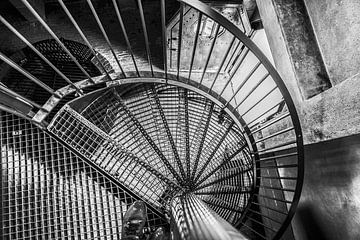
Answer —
99 148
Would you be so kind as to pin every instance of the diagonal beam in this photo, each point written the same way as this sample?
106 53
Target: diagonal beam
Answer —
222 63
233 74
9 101
234 54
76 25
27 74
16 101
246 79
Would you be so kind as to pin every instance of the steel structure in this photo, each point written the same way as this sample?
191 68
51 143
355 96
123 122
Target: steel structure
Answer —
214 148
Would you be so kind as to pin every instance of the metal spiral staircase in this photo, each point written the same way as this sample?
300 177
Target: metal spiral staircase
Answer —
198 126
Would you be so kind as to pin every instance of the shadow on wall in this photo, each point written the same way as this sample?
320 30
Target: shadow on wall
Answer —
329 206
309 221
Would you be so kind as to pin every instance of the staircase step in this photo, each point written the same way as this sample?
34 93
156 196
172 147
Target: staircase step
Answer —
99 148
223 189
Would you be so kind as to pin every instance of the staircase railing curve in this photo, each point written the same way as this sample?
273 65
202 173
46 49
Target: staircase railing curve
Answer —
228 101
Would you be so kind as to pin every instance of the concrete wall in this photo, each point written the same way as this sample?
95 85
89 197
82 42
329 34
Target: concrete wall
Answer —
332 114
333 111
337 26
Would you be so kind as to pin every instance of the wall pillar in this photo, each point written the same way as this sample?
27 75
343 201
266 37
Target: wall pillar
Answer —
294 47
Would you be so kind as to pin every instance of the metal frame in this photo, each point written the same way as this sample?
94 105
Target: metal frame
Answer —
287 97
115 79
221 102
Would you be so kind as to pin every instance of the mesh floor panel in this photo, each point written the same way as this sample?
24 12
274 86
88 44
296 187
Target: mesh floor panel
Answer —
50 193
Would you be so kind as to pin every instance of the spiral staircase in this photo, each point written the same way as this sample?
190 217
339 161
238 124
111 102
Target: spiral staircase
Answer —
199 126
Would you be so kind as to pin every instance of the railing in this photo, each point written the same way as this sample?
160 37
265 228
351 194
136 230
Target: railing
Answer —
254 185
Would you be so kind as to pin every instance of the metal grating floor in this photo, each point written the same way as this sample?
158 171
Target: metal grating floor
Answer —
50 193
158 139
153 141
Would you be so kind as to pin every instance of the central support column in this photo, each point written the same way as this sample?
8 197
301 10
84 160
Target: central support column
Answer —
192 219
